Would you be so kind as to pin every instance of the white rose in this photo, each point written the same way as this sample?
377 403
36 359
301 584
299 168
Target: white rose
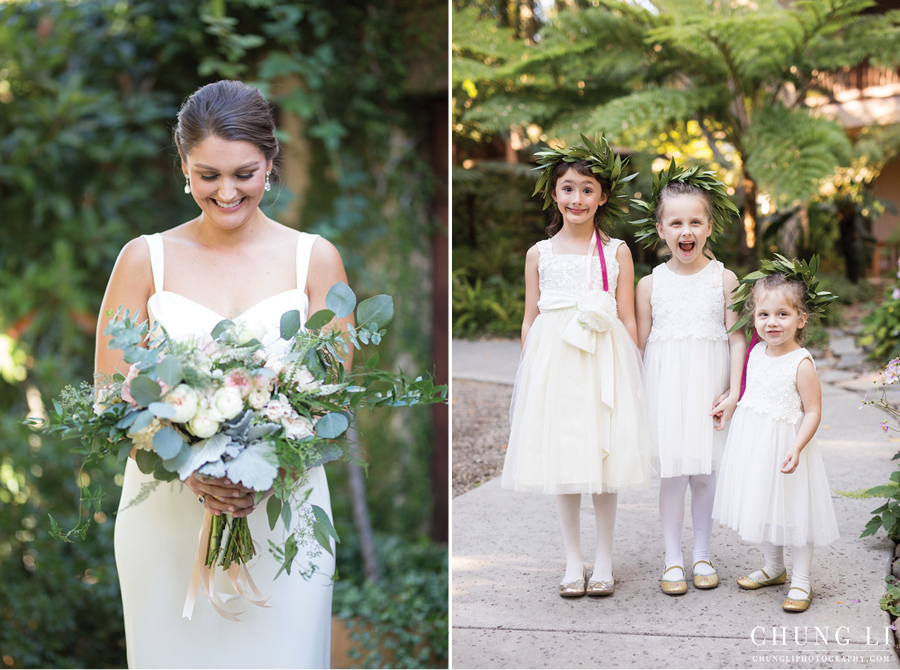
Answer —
228 402
297 427
258 398
304 380
203 424
597 310
143 439
245 332
185 401
276 365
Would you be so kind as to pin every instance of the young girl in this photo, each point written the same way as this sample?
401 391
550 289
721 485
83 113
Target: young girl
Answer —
575 424
689 360
773 486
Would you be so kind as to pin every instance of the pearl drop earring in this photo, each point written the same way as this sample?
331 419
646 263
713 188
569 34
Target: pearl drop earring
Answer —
268 185
187 184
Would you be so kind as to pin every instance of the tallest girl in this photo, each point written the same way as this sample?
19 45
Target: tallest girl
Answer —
575 424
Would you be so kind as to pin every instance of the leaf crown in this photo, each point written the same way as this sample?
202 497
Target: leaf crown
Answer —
604 162
722 207
797 270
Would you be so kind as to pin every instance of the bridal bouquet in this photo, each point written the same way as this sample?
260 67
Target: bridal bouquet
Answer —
222 405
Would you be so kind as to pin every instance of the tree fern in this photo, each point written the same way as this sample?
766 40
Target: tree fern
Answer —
790 152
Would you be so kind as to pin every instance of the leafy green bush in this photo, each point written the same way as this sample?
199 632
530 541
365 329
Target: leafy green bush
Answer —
847 292
487 306
881 328
402 620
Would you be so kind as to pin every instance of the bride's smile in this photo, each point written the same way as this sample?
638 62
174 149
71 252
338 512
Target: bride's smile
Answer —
228 180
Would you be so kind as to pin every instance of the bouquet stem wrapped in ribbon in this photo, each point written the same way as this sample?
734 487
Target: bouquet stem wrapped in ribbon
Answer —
224 406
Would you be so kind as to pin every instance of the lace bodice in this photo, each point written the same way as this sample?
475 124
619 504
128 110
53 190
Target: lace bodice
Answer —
688 306
772 384
566 273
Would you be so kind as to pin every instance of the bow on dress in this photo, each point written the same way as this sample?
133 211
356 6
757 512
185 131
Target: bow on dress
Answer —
589 327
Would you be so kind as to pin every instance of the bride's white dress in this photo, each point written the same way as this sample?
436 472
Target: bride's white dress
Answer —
156 542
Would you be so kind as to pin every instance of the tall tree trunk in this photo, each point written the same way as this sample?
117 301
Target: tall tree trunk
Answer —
361 518
527 21
846 212
747 246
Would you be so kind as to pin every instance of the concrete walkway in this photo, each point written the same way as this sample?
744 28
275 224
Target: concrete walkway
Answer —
507 561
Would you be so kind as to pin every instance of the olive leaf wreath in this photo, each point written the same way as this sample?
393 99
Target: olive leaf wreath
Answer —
722 207
792 269
604 163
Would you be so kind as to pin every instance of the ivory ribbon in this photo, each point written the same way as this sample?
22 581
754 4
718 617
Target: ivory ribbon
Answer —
576 334
585 339
205 577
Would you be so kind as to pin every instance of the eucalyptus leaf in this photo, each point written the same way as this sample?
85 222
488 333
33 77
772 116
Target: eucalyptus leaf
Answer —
167 442
341 300
286 515
332 425
290 324
142 421
320 319
221 327
161 410
378 309
172 464
169 371
144 390
146 460
125 447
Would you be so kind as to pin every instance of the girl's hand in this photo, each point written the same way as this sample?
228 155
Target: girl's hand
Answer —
791 461
221 495
723 410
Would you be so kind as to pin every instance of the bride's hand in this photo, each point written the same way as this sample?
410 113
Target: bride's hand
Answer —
221 495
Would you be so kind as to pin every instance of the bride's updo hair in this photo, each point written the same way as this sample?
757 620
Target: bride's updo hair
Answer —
230 110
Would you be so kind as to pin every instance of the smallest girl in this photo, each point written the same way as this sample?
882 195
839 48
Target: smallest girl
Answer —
773 489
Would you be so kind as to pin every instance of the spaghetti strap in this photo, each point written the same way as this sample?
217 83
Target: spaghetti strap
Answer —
304 251
157 259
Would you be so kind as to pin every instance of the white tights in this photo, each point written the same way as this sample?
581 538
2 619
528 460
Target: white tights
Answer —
802 558
569 507
671 513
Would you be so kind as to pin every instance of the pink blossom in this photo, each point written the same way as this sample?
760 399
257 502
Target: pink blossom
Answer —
240 380
277 408
892 371
884 426
896 294
126 385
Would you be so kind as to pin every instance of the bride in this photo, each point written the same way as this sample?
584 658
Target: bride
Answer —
230 262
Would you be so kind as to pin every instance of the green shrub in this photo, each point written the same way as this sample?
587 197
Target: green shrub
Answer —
402 620
487 306
881 328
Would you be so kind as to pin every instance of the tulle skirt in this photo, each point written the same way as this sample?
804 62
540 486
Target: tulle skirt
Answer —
756 499
683 378
563 438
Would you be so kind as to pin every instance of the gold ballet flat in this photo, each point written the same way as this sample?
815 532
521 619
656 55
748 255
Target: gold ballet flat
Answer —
598 587
794 605
673 587
705 581
573 589
750 584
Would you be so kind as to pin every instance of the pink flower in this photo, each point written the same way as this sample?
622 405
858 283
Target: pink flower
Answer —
277 408
892 371
884 426
126 385
896 294
240 380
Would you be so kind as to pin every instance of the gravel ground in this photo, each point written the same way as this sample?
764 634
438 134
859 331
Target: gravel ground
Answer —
480 432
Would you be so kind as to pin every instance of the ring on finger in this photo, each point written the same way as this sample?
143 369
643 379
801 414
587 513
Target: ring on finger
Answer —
202 499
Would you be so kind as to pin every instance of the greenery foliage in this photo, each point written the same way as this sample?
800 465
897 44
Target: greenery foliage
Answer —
88 93
400 621
731 80
881 327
